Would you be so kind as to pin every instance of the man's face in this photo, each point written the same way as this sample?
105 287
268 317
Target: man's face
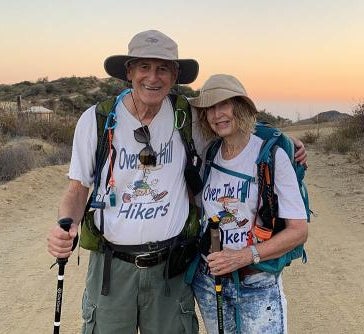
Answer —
152 79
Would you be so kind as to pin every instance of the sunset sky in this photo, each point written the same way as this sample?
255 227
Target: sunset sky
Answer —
295 58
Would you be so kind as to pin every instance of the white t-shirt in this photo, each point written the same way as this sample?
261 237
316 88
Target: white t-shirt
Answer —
235 198
151 202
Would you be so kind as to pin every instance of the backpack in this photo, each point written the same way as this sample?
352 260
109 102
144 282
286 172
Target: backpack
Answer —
272 139
91 238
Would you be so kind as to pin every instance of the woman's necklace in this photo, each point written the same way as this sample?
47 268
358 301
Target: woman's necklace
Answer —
231 150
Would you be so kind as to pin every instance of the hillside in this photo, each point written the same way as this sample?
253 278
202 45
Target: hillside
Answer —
72 94
327 116
69 95
75 94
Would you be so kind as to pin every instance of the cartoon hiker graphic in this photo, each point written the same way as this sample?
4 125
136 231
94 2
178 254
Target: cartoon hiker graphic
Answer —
143 188
233 211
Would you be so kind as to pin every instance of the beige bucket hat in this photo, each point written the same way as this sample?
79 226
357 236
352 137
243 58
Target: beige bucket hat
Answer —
220 87
152 44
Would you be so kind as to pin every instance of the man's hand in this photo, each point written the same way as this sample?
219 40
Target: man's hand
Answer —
60 242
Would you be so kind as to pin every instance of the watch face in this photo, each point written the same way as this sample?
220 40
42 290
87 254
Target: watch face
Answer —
256 259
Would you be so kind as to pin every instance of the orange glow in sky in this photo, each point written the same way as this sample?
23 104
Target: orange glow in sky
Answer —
302 54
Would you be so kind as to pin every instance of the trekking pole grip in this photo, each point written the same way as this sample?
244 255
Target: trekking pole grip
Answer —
65 223
215 235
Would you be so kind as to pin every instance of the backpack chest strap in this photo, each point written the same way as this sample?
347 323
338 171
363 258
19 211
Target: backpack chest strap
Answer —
246 185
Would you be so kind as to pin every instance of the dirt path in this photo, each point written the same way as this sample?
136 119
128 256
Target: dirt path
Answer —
325 296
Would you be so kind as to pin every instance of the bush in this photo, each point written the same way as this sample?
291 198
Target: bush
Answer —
310 137
337 143
8 123
15 161
348 134
24 154
57 130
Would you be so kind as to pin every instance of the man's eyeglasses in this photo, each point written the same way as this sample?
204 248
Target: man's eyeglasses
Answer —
147 155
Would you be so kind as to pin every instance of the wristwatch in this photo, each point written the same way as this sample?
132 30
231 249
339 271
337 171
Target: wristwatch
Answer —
256 256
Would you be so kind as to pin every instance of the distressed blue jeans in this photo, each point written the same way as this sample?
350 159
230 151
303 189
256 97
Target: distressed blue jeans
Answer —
257 306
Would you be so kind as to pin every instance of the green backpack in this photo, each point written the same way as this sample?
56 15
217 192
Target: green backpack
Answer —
91 237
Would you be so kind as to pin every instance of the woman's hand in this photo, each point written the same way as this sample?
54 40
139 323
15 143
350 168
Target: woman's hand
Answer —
300 152
229 260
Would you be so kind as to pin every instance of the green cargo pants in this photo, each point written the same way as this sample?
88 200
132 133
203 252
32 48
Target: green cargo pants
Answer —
139 299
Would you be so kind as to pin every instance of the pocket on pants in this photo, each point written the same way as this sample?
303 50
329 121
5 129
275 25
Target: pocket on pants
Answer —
88 315
188 316
261 280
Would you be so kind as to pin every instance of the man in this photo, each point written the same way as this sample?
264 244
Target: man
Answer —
146 204
151 197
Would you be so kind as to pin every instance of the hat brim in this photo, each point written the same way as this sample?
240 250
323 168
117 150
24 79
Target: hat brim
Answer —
210 98
115 67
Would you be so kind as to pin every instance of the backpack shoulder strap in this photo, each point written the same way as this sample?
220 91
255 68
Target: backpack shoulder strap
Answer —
102 112
269 210
183 122
106 121
275 137
210 156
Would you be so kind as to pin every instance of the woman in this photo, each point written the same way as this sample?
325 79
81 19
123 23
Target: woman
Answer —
253 302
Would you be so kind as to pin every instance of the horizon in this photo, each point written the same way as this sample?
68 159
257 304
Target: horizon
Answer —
292 110
295 59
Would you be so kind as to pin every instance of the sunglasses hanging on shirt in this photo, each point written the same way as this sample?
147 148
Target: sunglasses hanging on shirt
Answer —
147 156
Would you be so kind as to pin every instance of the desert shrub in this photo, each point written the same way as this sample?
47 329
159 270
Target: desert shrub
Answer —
57 130
8 123
24 154
15 161
310 137
334 143
354 155
347 134
60 155
358 113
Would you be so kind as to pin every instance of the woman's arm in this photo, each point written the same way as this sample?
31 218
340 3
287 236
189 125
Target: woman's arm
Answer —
228 260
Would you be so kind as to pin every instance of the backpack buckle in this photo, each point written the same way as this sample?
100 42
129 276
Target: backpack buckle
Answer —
262 233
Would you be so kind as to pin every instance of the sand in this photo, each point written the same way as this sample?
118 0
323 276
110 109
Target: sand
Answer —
326 295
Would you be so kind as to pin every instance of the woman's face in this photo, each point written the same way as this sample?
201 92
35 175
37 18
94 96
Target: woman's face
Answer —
221 119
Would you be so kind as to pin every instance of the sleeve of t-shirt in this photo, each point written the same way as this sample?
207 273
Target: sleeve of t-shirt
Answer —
84 148
290 203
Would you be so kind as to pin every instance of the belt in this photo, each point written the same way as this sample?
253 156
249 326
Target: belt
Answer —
242 272
143 256
144 260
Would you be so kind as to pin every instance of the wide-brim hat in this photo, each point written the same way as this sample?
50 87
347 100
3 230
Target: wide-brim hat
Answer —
156 45
218 88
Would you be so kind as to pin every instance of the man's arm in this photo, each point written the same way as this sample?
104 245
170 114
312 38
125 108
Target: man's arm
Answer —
228 260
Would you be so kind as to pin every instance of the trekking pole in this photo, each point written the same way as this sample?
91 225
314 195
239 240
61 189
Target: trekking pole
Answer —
65 223
215 247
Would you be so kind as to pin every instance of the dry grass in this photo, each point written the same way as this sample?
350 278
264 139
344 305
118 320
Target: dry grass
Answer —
344 137
22 154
